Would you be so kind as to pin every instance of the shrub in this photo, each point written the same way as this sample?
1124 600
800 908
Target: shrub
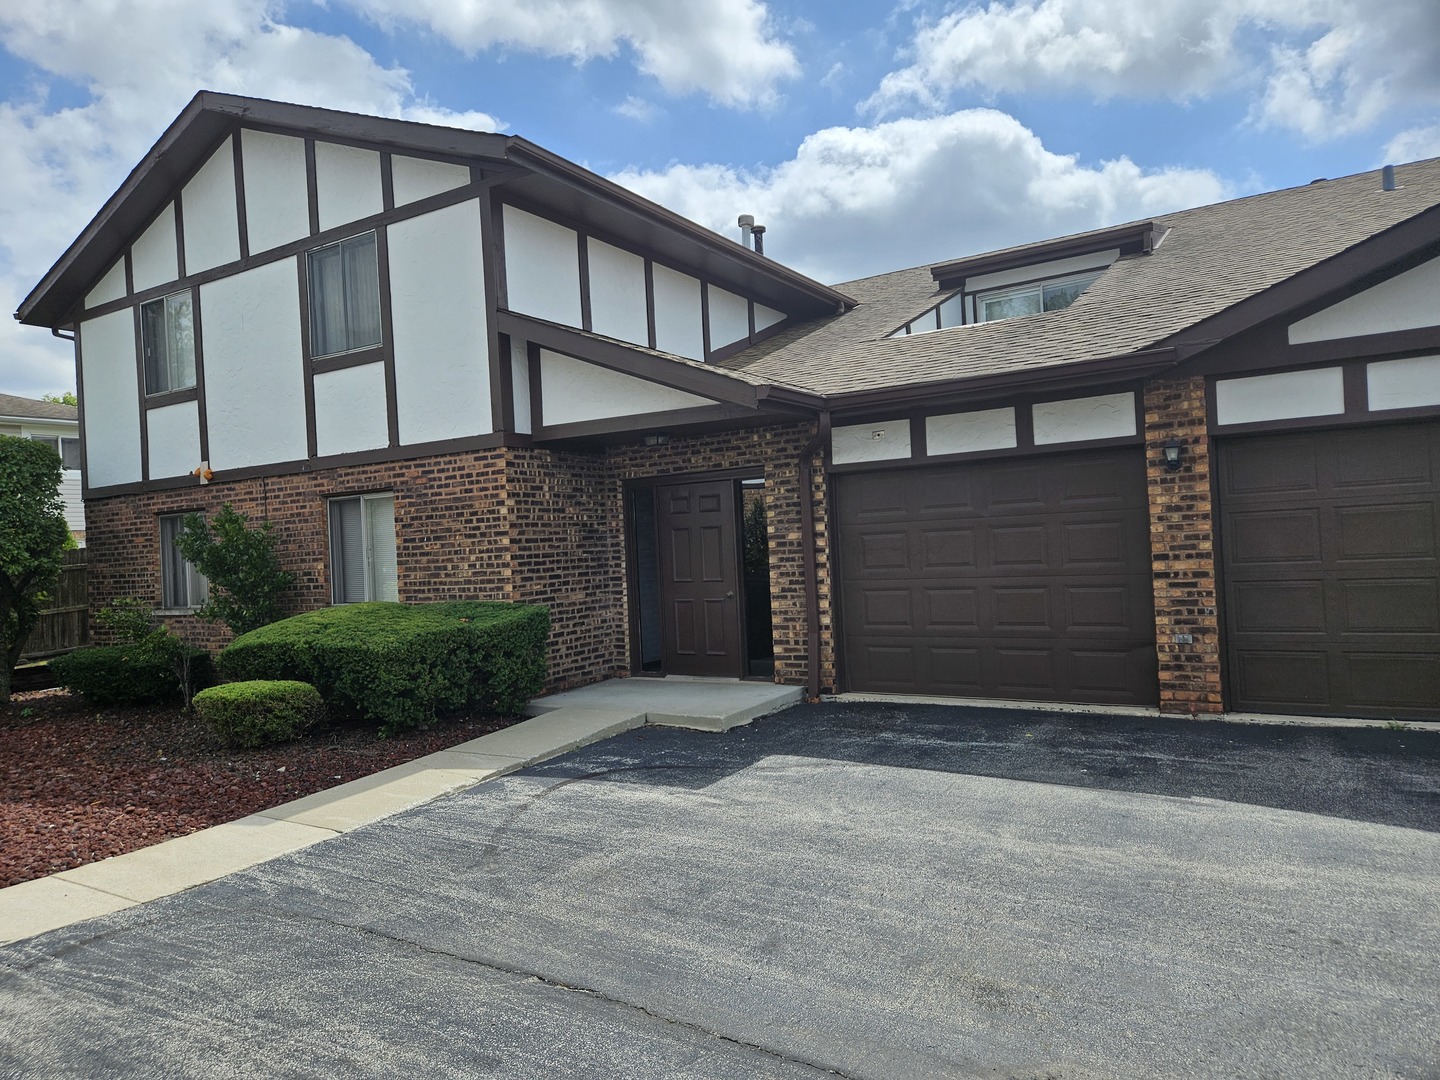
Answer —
240 563
136 673
33 539
259 712
400 664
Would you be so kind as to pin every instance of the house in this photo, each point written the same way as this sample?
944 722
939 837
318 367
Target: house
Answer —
1191 462
58 426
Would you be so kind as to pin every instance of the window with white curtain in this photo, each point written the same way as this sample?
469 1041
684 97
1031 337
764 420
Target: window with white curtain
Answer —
362 549
167 336
344 296
181 585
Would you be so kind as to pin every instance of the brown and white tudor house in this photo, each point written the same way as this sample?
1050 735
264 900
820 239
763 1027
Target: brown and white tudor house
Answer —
1191 462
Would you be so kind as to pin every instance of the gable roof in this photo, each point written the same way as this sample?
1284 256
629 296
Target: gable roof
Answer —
531 172
1214 271
22 408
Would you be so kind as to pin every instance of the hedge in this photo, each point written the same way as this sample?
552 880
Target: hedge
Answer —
259 712
400 664
139 673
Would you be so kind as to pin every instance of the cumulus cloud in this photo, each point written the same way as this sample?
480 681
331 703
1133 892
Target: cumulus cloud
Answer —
138 64
1414 144
726 49
1319 67
858 201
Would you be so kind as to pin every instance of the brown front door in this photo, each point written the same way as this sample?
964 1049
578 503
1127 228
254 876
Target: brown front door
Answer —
699 578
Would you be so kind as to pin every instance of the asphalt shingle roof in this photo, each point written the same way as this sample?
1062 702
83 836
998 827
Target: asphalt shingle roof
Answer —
10 405
1210 259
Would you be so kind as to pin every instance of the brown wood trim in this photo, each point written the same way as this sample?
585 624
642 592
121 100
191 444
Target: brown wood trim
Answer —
171 397
726 351
302 273
451 154
1025 427
1130 239
179 238
1334 420
202 417
497 359
242 219
582 255
605 353
140 392
495 219
537 395
705 320
641 422
1356 387
490 441
750 316
664 479
340 361
387 337
116 305
650 303
628 494
387 182
919 438
505 390
1269 349
312 187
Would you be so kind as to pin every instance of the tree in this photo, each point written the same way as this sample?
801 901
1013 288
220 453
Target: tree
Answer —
33 539
65 397
239 561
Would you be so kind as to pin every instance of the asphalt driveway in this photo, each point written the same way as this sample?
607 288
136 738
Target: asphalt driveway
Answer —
851 888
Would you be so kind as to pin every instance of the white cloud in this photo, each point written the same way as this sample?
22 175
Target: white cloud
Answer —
1320 67
857 201
637 108
139 64
1413 144
723 48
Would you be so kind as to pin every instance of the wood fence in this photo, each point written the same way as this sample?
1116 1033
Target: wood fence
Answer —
64 621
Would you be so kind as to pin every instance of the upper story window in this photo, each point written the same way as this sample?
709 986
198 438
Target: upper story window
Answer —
167 335
68 448
362 549
344 296
1031 299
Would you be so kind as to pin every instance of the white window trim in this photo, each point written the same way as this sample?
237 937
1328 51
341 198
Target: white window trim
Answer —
1084 279
367 552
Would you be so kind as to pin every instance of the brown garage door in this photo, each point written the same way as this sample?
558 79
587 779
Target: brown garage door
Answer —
1332 600
1017 579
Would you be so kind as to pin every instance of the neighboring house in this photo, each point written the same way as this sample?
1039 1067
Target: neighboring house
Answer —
1192 462
58 426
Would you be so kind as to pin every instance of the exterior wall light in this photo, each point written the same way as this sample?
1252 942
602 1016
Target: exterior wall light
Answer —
657 438
1172 450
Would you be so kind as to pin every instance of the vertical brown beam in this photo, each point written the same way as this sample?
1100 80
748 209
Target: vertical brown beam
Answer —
387 182
140 394
582 245
179 238
312 187
387 337
650 302
202 418
750 311
240 215
919 444
507 383
303 268
705 321
129 275
492 259
1024 427
532 357
1357 388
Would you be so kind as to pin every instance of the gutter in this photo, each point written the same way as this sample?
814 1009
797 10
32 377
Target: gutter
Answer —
820 442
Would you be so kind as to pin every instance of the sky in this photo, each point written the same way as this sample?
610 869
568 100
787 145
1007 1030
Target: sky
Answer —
867 136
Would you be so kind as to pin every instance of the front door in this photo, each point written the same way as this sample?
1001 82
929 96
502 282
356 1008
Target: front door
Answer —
699 578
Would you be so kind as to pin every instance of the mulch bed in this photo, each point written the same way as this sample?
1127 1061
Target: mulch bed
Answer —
79 783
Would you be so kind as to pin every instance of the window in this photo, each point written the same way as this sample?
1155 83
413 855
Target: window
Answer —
1031 299
362 549
167 334
344 296
181 585
68 448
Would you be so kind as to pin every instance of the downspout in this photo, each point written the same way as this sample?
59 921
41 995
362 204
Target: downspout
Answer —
820 442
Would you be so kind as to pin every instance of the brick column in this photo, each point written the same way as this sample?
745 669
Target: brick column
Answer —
1182 547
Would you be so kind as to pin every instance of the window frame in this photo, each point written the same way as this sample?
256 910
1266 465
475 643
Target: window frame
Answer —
60 443
195 585
1084 279
314 298
337 574
146 343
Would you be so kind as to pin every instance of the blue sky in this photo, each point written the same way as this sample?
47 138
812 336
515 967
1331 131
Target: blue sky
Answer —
866 136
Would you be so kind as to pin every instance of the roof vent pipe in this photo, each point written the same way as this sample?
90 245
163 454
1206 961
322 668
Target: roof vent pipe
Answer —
758 231
1387 178
746 223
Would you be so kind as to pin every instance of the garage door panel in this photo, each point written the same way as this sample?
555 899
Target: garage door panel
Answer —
1407 606
948 496
1091 484
1295 607
1283 468
1090 608
1018 546
1395 680
1276 679
1107 674
1402 531
888 609
1025 672
951 610
952 671
884 550
1096 543
947 548
1015 488
1258 536
1374 457
1023 608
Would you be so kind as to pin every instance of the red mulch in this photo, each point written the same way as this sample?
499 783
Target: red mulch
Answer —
79 783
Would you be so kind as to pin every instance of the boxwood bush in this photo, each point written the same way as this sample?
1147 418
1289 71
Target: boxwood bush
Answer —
260 711
400 664
136 673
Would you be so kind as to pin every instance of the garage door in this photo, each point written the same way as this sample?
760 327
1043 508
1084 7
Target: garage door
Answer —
1329 568
1018 579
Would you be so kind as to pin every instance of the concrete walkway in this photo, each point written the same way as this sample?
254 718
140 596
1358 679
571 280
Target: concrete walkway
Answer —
560 723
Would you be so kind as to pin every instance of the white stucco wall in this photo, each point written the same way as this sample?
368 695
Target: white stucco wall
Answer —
111 392
153 257
419 178
1106 416
173 436
1404 384
574 391
766 317
110 287
729 317
617 293
966 433
212 221
347 183
1317 392
350 410
437 289
678 327
254 383
882 441
277 205
1405 302
520 385
542 268
1054 268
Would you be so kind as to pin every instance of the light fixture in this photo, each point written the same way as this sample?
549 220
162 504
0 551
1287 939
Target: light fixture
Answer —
657 438
204 472
1172 450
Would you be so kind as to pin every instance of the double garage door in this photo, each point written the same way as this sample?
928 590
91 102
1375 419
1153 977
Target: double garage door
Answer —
1016 579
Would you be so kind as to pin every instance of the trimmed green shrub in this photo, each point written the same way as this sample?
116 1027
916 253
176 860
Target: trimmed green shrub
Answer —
259 712
136 673
400 664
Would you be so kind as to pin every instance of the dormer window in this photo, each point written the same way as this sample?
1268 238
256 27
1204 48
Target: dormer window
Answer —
1031 299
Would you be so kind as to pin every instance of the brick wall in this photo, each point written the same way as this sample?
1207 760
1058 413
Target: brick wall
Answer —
1182 544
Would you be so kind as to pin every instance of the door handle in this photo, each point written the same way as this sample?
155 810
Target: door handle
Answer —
730 596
